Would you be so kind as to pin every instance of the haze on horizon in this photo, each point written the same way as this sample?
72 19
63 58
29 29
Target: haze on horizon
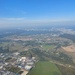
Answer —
17 13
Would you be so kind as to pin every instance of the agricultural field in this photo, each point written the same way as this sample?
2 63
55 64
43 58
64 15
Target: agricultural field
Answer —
48 47
70 51
66 70
11 46
69 48
45 68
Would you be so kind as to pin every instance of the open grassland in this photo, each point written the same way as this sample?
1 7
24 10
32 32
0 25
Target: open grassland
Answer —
45 68
48 47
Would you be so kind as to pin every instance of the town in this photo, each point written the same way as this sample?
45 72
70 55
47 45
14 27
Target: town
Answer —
14 64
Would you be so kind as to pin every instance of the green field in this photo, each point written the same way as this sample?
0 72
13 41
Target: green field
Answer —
47 47
45 68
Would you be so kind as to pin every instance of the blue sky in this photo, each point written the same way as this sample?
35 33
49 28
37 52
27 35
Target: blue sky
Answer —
16 12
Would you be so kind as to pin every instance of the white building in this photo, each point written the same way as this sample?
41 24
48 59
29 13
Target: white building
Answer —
27 67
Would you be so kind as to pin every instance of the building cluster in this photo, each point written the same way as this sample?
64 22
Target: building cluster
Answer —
7 60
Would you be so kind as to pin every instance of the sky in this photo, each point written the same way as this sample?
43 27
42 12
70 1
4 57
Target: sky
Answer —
36 12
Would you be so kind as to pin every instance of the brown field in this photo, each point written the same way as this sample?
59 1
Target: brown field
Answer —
23 39
69 48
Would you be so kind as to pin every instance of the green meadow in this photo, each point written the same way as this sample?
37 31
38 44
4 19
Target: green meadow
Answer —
48 47
45 68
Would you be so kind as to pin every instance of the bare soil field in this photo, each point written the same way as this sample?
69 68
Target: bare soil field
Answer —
69 48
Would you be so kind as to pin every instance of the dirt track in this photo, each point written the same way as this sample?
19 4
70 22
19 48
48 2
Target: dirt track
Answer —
24 72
